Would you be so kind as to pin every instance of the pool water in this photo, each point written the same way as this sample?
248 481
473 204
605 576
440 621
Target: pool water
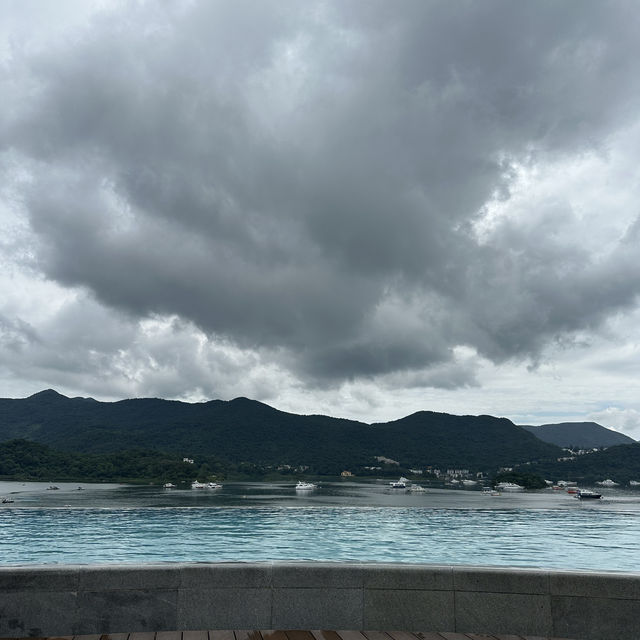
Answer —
355 522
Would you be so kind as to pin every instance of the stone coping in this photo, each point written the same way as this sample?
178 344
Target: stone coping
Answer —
67 600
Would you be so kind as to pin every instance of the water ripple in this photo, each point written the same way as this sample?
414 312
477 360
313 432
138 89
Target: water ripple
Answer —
536 538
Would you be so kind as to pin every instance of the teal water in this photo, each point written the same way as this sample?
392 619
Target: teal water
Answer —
337 522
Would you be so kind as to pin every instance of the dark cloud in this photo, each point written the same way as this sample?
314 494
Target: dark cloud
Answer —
304 178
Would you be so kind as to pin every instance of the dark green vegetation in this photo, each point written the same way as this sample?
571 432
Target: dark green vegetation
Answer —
578 435
24 460
620 463
250 438
147 439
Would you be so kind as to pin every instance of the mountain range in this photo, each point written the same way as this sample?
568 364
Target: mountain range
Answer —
243 431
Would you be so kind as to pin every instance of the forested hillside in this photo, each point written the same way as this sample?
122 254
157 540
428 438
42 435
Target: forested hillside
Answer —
249 432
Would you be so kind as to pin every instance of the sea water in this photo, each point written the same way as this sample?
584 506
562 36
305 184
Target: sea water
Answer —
337 522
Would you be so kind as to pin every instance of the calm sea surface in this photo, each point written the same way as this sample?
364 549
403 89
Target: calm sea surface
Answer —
346 521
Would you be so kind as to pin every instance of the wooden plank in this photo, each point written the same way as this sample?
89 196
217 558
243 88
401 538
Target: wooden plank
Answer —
377 635
120 636
221 634
450 635
87 637
325 634
404 635
142 635
352 635
299 634
167 635
484 636
273 634
247 634
428 635
194 635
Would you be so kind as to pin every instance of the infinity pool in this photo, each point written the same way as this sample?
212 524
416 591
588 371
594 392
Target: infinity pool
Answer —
336 522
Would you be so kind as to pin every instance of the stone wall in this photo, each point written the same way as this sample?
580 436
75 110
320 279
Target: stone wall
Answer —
68 600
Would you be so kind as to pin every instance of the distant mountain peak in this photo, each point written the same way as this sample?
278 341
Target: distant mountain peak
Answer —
581 434
47 393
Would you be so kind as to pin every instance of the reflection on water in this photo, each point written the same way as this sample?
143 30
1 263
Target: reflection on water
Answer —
337 522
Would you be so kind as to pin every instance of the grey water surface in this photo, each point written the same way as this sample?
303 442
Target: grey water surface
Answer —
339 521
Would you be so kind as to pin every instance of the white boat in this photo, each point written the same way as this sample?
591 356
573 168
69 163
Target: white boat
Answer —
634 483
509 486
399 484
417 488
607 483
488 491
469 483
305 486
198 485
169 485
214 485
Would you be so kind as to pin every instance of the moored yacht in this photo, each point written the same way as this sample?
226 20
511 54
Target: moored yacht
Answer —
585 494
401 483
607 483
509 486
305 486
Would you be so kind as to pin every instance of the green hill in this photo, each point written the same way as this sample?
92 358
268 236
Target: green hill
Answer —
620 463
579 435
25 460
245 431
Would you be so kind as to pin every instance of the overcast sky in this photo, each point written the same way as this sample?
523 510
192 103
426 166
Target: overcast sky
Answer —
358 208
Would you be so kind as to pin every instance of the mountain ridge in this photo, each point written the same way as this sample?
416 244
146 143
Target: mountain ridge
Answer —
248 431
582 435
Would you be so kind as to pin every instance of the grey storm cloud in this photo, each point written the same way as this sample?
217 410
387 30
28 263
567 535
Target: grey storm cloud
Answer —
306 177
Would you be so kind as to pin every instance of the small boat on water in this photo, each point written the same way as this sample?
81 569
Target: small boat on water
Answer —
401 483
607 483
7 500
573 490
205 485
509 486
168 485
417 488
305 486
585 494
634 483
52 487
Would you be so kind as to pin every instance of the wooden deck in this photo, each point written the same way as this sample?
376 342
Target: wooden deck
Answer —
295 635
